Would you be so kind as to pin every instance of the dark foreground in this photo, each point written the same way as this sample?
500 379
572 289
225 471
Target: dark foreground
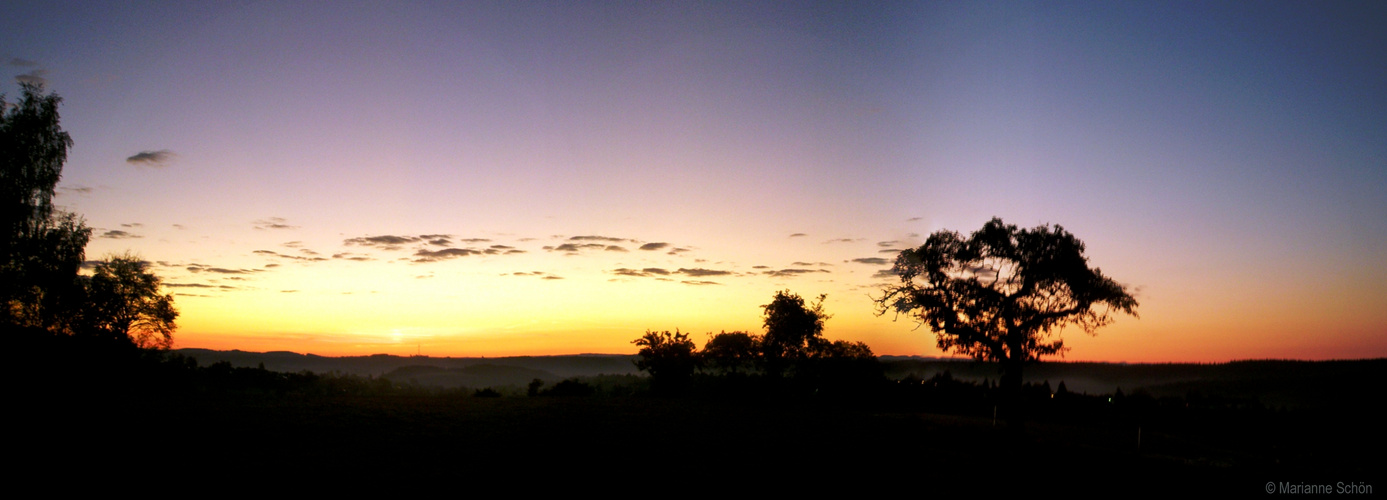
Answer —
604 442
86 417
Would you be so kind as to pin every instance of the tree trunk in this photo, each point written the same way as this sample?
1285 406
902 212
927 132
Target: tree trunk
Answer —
1012 405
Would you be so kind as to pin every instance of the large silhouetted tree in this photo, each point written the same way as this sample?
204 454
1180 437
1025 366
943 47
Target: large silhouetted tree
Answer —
669 358
793 330
1004 294
123 302
41 248
732 353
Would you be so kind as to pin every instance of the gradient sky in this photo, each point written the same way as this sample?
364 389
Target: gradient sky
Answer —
465 178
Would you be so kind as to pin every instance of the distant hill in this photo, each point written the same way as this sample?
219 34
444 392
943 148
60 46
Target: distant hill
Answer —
549 368
1276 383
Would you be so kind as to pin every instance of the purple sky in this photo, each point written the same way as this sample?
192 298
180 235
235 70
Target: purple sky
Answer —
1225 160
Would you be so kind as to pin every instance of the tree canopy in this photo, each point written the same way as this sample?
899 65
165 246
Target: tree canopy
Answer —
732 352
1004 294
669 358
41 248
793 329
123 302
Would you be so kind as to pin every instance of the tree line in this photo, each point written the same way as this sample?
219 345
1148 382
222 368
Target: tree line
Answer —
793 352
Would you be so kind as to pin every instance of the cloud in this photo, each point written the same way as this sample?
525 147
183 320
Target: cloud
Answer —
884 273
643 273
891 243
788 273
24 63
188 285
575 247
384 242
699 282
397 241
117 234
351 256
798 235
273 223
600 238
840 240
151 158
700 272
444 254
615 248
33 77
201 268
875 261
74 190
292 257
677 251
537 274
654 246
132 224
204 286
222 270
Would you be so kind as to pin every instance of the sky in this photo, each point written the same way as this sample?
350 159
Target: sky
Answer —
536 178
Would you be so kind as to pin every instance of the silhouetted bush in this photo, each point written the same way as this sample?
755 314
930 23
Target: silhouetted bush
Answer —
570 388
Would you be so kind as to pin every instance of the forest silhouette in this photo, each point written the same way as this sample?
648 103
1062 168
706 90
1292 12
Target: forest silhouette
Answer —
94 374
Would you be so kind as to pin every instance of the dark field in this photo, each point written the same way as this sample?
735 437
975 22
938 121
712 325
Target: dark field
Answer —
787 443
124 418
